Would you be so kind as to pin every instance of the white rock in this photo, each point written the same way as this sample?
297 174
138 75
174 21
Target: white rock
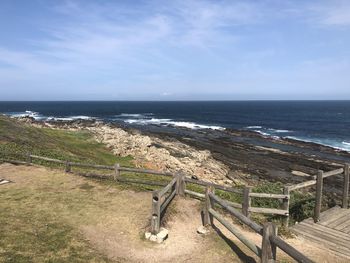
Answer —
202 230
148 235
162 235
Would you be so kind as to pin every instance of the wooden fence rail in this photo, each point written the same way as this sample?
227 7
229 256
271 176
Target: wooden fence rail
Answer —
160 202
270 239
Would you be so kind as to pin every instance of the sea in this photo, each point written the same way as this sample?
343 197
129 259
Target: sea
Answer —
322 122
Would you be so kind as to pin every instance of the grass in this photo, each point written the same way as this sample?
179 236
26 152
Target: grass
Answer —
78 146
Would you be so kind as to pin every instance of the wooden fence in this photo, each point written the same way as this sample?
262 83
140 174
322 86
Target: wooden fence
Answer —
270 240
318 181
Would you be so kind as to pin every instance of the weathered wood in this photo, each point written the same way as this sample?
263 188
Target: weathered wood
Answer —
116 171
206 215
216 186
319 189
167 187
135 170
291 251
13 161
272 196
268 249
246 201
247 221
139 181
180 185
302 185
199 195
167 201
47 159
285 206
29 158
95 166
332 233
68 167
155 220
272 211
346 187
333 172
254 248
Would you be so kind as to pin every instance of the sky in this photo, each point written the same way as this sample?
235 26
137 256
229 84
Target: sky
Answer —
174 50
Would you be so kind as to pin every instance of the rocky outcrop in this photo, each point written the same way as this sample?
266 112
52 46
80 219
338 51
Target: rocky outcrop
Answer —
159 154
149 151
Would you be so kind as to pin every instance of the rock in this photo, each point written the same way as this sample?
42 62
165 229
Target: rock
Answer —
162 235
202 230
153 238
148 235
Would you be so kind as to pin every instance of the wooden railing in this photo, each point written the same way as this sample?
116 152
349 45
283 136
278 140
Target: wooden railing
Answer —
318 181
160 201
270 240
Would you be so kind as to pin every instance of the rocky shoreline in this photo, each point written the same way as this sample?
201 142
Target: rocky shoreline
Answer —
230 157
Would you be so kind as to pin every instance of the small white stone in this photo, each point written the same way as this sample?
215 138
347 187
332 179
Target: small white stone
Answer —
148 235
153 238
162 235
202 230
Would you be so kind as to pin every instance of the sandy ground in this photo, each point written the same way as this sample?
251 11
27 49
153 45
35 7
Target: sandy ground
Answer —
114 220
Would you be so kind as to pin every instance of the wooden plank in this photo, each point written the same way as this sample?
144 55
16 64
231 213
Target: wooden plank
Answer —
344 218
246 201
328 214
47 159
135 170
138 181
344 224
216 186
323 243
346 230
167 187
329 231
334 172
332 215
324 238
338 219
199 195
245 220
302 185
96 166
319 190
167 201
273 211
254 248
268 248
285 206
272 196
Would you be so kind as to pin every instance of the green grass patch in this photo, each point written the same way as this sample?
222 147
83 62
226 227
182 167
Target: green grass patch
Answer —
18 139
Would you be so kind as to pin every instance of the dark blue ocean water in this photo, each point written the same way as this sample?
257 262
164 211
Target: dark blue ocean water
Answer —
324 122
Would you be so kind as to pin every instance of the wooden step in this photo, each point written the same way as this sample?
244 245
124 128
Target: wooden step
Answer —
329 231
336 215
320 238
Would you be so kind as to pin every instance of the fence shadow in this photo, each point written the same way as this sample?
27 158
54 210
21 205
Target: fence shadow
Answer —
242 256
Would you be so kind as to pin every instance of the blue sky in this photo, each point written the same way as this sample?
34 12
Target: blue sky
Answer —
174 50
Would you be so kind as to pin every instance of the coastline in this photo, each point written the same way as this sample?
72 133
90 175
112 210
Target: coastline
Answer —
222 156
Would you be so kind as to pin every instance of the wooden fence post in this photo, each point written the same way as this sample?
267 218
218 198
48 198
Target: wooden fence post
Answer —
268 249
155 220
246 201
207 218
116 171
285 206
68 167
319 189
346 186
180 185
29 158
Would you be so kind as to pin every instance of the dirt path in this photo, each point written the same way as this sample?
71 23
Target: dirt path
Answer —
112 220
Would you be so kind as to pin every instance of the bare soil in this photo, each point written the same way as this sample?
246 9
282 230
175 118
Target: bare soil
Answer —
112 220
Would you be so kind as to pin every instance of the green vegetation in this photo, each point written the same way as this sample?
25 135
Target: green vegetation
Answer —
79 146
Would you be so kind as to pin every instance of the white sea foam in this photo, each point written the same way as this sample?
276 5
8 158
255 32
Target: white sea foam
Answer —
185 124
346 143
254 127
